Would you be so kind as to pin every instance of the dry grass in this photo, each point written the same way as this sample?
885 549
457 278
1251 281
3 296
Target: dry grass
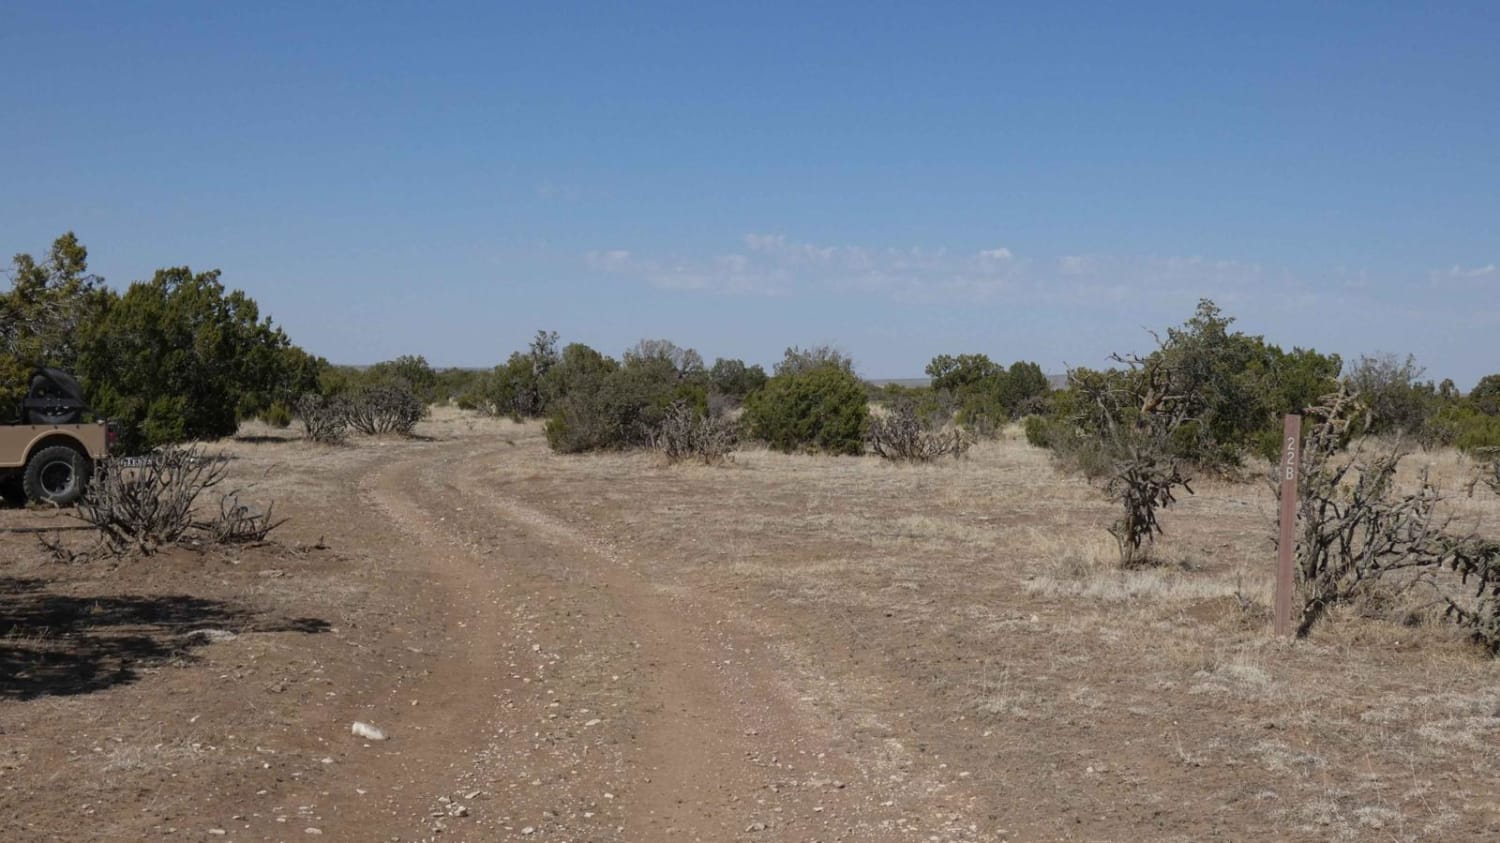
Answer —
970 614
982 593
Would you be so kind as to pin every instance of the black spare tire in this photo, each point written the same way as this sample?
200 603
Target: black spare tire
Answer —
57 475
53 415
55 397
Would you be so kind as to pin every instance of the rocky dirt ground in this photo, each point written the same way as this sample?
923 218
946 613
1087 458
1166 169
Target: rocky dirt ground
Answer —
784 648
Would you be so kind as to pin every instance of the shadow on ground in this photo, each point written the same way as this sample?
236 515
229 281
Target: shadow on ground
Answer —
265 439
59 645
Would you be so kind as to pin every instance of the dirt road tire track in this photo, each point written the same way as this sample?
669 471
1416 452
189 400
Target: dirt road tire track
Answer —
688 729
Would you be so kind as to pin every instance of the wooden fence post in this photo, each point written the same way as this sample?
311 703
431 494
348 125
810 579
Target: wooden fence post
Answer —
1291 456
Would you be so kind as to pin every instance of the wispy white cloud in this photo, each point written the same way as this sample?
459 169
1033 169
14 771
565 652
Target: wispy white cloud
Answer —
774 264
734 274
1077 307
1471 273
612 260
554 192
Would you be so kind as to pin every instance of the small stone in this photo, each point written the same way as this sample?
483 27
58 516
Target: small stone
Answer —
313 831
528 830
367 731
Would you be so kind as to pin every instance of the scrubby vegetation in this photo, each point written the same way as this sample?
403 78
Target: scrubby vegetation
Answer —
601 404
181 357
1144 481
731 381
818 407
520 388
324 420
1356 530
904 434
145 505
687 433
661 395
1209 396
172 359
986 395
373 410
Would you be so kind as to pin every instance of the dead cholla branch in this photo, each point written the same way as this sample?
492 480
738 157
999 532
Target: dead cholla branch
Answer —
1349 527
149 503
375 410
324 420
1477 563
1338 414
685 434
901 435
58 550
239 522
1143 482
1354 528
144 504
1488 470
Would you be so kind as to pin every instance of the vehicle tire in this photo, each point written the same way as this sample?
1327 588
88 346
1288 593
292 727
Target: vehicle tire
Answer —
57 475
56 415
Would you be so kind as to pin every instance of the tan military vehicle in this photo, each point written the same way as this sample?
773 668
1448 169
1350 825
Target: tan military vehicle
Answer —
49 444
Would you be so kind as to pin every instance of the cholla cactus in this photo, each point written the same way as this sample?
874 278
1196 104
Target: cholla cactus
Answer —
684 433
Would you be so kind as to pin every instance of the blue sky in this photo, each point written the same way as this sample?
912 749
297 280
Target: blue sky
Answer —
1041 181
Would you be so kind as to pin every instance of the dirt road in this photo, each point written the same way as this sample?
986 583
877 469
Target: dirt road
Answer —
598 703
537 679
789 648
